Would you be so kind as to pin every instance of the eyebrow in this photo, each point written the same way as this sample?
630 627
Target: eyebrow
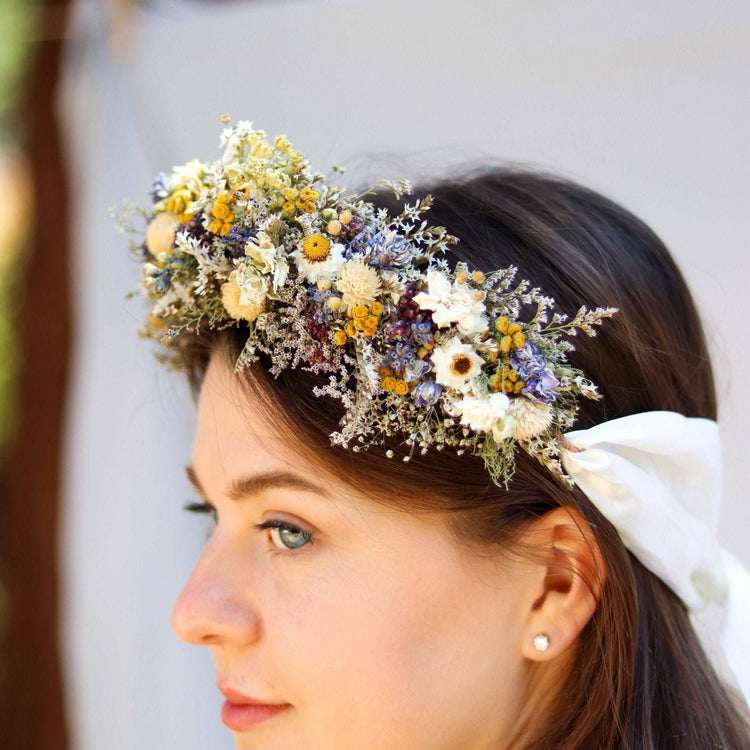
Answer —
245 487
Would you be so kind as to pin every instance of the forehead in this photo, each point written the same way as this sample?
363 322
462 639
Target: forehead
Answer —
236 432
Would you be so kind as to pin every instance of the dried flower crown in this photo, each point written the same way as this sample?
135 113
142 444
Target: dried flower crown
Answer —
328 282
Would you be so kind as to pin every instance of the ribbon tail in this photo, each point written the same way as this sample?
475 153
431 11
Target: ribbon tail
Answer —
735 625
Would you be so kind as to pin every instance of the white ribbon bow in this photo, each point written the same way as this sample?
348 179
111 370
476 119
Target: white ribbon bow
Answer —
656 477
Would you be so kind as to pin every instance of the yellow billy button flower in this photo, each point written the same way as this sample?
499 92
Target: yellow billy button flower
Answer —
315 247
223 216
288 206
478 276
388 383
505 343
359 312
350 329
345 217
309 207
370 325
290 195
309 195
384 372
401 387
502 324
178 204
462 277
334 227
340 338
518 339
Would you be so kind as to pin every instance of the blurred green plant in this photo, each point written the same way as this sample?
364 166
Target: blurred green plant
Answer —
19 21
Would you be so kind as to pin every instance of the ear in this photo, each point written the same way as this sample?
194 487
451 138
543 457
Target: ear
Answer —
567 582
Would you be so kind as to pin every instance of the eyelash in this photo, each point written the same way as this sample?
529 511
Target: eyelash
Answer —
193 507
203 507
286 526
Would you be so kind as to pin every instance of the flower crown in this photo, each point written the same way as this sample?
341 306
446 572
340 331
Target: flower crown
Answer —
328 282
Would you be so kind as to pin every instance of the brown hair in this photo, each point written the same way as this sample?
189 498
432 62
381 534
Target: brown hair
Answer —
640 678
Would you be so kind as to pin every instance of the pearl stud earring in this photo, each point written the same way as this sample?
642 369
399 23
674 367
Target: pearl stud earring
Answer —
541 642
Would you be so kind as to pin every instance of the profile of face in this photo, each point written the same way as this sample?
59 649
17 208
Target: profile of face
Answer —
336 622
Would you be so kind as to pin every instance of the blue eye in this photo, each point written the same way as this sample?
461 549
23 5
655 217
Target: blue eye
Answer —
285 535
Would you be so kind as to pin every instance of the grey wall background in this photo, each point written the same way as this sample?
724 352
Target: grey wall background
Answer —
644 101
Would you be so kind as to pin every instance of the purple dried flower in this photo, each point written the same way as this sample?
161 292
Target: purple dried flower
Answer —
536 372
427 393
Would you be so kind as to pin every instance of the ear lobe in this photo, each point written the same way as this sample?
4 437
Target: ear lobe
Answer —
569 582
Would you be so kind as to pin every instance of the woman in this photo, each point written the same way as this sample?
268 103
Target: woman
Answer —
412 549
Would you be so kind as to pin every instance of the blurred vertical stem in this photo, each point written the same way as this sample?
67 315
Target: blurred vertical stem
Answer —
18 27
31 697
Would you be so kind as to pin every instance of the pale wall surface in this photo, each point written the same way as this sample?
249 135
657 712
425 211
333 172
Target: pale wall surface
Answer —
644 101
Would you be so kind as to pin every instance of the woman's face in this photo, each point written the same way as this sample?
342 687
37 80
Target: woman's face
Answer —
356 625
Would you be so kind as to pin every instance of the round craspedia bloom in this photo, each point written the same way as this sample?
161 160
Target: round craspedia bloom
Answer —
531 418
502 324
340 338
401 387
230 298
308 194
315 247
309 207
345 216
477 276
161 232
370 325
388 383
288 206
334 227
456 363
358 283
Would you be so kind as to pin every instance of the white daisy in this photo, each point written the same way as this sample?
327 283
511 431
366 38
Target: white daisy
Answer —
455 363
318 258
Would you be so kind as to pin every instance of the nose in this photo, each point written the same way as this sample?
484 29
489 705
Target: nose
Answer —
215 606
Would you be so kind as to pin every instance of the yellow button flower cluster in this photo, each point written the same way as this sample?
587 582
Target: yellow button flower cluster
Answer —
223 216
364 319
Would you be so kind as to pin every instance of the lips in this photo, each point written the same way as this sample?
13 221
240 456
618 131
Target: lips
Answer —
240 712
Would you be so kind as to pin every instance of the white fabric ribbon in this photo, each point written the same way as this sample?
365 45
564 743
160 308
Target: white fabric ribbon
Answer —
656 477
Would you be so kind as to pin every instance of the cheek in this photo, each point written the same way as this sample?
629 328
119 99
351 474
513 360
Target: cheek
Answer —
405 640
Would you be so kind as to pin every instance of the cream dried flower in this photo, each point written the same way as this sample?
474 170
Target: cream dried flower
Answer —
531 418
244 294
453 303
358 283
482 413
161 232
